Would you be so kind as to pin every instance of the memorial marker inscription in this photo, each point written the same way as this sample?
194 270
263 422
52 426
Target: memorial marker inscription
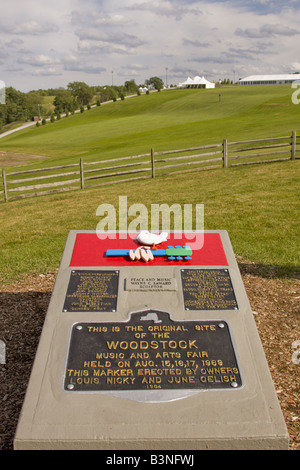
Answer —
144 354
92 291
154 284
208 289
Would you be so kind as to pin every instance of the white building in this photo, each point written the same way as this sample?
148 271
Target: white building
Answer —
283 79
196 82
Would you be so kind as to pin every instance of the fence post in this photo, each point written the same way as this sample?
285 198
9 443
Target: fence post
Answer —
293 147
81 174
153 163
4 185
225 153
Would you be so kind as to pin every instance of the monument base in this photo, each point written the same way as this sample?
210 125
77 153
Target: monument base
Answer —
163 355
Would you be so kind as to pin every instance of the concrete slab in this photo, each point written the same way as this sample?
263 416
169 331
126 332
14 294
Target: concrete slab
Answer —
163 355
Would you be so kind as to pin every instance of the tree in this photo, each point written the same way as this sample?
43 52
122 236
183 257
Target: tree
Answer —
131 86
81 91
3 114
156 82
17 106
64 101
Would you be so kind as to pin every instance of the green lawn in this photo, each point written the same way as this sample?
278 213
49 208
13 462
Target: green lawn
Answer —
257 205
167 120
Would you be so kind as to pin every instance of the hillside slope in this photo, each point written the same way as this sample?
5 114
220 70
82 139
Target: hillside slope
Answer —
167 120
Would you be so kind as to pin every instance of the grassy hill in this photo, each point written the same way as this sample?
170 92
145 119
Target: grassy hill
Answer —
167 120
257 205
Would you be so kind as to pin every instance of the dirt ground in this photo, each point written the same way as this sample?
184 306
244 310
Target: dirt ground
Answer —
275 305
16 159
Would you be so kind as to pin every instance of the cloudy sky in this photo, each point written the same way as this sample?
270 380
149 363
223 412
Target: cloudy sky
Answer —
47 44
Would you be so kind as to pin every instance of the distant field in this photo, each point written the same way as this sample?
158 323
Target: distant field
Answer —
167 120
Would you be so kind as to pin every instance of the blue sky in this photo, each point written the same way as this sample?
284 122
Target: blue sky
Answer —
47 44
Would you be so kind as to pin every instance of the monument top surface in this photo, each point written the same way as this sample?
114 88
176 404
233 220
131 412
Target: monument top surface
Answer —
150 345
90 249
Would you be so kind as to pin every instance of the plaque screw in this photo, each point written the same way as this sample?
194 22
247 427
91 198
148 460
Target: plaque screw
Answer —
65 310
70 387
234 384
221 325
78 327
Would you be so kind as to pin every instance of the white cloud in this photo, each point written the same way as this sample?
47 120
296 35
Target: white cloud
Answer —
32 28
14 43
46 72
267 30
39 60
118 38
94 18
167 8
279 30
74 64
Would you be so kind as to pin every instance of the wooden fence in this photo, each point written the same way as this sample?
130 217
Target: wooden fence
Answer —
23 184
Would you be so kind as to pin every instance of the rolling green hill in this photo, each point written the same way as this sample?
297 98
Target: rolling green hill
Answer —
167 120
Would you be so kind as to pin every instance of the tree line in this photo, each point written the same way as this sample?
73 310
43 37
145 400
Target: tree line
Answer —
21 106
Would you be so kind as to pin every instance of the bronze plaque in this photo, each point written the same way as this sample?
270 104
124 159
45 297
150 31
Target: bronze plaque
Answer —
151 352
208 289
92 291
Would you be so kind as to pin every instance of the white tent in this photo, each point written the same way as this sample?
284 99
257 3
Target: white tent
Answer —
279 79
188 82
196 82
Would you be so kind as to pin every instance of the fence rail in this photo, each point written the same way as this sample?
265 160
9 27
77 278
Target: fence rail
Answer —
147 165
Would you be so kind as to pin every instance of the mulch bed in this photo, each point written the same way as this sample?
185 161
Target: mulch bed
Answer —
275 305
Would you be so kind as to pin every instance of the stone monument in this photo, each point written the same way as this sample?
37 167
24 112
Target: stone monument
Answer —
150 348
